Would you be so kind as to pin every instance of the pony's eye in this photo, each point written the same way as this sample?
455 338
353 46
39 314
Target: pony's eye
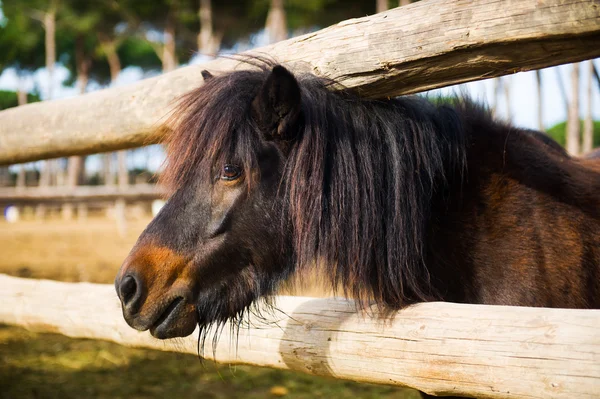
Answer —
231 172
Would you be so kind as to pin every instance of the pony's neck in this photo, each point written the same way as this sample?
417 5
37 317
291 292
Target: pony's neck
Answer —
362 181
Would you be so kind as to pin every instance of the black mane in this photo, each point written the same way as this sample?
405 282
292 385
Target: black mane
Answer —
359 183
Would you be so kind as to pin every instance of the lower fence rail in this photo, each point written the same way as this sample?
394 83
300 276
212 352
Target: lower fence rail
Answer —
439 348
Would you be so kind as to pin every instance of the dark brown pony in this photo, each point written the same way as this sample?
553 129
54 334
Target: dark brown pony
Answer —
397 201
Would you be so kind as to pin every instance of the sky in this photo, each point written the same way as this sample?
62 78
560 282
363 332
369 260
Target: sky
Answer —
523 95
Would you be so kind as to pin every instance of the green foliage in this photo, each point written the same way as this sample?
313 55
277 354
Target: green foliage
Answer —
147 20
8 99
314 13
21 38
88 31
135 51
559 132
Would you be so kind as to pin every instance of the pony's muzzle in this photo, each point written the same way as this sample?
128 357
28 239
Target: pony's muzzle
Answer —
154 295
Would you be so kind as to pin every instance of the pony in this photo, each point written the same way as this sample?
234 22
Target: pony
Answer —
396 201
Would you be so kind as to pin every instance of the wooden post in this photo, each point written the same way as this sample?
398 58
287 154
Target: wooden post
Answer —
120 204
44 182
73 171
439 348
4 176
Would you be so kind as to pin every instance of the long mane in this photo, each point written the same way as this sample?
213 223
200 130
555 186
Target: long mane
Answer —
359 183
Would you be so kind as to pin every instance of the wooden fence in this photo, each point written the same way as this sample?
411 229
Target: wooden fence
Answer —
421 46
441 348
61 194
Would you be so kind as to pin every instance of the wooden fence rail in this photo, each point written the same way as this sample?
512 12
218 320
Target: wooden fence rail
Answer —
34 195
422 46
439 348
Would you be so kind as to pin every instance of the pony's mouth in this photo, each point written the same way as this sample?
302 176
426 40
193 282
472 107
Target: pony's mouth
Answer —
175 321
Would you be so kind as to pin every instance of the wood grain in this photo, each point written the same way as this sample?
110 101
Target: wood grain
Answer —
439 348
425 45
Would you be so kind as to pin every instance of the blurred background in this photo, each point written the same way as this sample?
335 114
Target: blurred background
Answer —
52 49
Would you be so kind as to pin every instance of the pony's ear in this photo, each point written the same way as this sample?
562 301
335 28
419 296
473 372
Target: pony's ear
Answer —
206 75
277 107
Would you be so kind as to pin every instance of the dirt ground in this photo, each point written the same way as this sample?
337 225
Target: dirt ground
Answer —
36 365
66 250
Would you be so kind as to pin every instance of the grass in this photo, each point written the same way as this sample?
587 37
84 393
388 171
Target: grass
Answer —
34 365
53 366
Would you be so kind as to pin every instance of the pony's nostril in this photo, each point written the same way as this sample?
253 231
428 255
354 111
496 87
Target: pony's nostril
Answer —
127 289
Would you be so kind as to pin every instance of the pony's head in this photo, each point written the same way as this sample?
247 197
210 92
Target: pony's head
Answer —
217 244
269 172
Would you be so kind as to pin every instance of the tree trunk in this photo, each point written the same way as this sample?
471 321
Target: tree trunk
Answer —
588 125
381 6
540 104
21 97
76 164
506 87
208 42
596 75
49 23
563 90
495 91
109 47
404 2
276 24
169 57
573 134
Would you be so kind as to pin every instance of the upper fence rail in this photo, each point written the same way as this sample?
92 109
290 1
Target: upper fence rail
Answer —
422 46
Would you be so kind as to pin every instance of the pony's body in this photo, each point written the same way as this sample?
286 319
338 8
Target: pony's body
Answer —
398 201
524 229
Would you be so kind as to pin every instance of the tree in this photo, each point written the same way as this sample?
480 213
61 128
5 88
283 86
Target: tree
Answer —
588 128
276 25
559 132
573 128
506 85
540 115
381 6
209 42
44 12
21 44
167 17
9 99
